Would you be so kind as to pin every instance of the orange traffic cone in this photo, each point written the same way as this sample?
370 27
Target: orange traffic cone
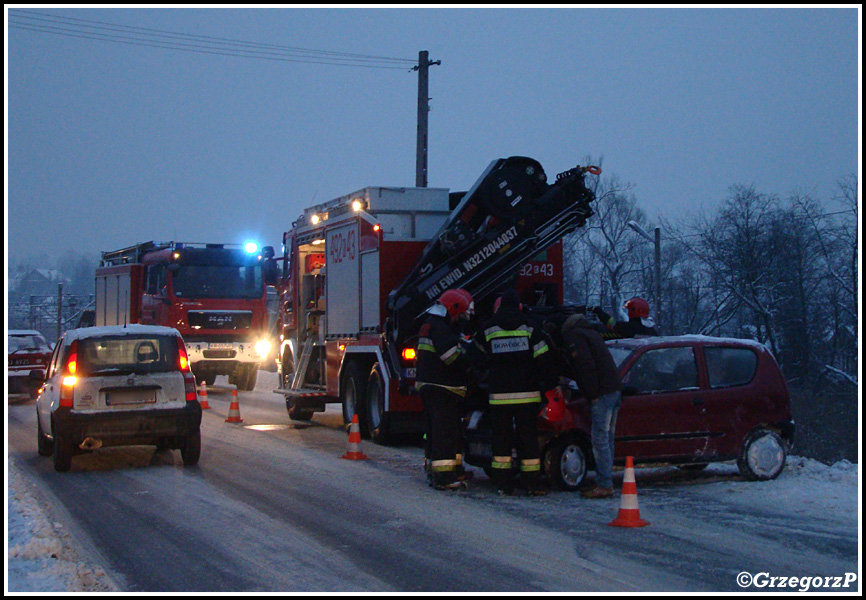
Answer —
234 409
202 396
354 451
629 514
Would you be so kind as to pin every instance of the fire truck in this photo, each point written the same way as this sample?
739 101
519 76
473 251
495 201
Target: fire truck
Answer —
213 294
359 272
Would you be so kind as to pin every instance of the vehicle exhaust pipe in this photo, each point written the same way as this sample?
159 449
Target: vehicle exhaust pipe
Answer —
90 444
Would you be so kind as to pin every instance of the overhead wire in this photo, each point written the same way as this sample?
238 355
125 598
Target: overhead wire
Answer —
172 40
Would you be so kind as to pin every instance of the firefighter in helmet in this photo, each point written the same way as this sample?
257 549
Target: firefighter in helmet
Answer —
518 358
442 377
639 323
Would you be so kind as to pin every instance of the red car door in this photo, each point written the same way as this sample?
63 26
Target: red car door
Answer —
663 414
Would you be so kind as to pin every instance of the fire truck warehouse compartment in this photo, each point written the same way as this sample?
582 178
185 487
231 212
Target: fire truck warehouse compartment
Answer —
346 263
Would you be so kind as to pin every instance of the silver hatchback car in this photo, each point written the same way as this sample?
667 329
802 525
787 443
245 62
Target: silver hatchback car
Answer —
118 386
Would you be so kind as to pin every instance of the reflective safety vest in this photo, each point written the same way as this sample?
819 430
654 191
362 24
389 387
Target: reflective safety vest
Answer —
441 359
518 359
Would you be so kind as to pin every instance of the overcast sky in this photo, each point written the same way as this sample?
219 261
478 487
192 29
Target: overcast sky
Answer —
111 143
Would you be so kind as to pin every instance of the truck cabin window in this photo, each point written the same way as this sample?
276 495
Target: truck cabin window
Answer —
218 281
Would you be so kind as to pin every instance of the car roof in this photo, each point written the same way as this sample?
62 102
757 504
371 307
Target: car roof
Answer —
119 330
673 340
24 332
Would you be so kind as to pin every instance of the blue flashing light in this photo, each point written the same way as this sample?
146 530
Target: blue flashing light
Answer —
251 247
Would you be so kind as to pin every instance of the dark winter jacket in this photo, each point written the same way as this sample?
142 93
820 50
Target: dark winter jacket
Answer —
441 358
593 367
517 356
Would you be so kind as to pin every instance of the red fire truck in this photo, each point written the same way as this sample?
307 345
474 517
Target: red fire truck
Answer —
360 271
214 294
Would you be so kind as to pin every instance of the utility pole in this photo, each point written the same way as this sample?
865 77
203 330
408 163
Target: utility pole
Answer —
658 277
423 108
59 309
657 239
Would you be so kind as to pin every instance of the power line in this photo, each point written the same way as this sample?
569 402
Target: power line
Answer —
171 40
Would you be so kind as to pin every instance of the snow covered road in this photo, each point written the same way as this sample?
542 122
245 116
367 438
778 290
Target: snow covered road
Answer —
273 507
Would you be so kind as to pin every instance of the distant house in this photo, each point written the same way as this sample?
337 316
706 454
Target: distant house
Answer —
36 282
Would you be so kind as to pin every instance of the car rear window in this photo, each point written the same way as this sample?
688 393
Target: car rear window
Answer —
729 367
663 370
127 354
28 343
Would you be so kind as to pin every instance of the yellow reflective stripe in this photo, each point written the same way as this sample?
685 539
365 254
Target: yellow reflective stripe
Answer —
518 333
530 464
454 389
497 328
516 398
539 349
501 462
443 465
426 344
450 355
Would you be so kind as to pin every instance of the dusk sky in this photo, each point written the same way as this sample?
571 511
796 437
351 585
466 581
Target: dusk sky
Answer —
110 143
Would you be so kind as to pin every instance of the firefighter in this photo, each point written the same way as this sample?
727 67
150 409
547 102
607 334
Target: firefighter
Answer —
639 323
442 378
517 355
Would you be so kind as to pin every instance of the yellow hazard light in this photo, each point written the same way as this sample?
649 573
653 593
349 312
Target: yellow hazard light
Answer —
408 353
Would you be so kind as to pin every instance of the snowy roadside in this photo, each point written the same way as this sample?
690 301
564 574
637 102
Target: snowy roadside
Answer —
41 556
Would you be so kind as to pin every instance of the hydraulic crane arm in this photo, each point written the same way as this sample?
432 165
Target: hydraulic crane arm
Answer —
509 215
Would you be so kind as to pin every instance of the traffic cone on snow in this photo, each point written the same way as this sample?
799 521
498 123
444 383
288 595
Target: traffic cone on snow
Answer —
202 396
354 451
629 513
234 409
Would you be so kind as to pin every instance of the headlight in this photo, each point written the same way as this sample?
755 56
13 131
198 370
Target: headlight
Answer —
263 348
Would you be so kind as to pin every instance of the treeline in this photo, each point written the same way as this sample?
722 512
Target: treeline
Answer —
781 270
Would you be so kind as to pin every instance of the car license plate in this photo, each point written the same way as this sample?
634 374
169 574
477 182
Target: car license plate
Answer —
130 397
220 346
410 373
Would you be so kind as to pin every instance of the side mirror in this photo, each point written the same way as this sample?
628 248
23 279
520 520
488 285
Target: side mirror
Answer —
269 268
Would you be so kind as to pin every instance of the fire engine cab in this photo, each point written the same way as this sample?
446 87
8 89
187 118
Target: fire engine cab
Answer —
213 294
359 272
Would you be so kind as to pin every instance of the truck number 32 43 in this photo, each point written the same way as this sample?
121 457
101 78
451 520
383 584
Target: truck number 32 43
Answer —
342 246
530 269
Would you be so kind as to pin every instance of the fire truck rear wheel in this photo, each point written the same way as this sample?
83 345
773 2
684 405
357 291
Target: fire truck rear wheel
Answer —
353 394
378 421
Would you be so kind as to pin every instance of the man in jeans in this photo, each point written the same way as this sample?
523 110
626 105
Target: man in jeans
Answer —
597 377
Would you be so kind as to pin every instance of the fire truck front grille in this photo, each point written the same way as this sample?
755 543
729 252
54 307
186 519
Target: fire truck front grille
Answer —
218 353
216 319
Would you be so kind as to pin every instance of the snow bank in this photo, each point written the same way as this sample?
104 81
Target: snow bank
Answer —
40 555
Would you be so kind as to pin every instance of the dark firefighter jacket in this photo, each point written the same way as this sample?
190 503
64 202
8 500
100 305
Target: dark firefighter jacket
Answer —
633 328
518 357
593 367
441 359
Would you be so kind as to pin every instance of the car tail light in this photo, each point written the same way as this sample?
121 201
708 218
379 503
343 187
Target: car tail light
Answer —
67 386
408 354
71 366
188 377
183 357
